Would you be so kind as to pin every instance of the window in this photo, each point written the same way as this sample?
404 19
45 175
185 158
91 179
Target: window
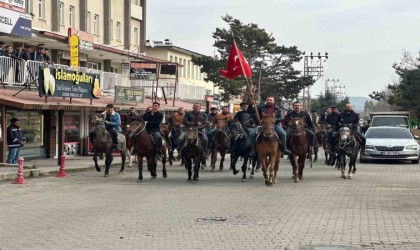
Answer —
171 58
136 37
88 22
71 16
111 30
61 13
189 69
41 9
180 72
96 24
92 65
118 31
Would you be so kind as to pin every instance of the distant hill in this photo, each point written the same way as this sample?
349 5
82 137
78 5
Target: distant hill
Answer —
358 103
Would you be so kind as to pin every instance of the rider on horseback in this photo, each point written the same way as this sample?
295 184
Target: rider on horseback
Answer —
297 112
331 120
348 116
176 123
198 119
226 116
112 124
246 117
270 109
154 119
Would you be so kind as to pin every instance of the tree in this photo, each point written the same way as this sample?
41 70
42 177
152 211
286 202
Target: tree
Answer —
273 62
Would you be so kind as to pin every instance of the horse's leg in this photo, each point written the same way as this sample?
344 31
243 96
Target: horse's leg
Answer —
315 153
123 158
130 160
342 166
164 173
196 163
188 166
151 165
233 159
244 167
95 159
263 167
140 167
294 161
213 159
222 158
108 162
276 167
301 163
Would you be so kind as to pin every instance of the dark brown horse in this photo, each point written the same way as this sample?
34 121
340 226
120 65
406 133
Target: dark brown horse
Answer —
102 143
192 154
219 145
299 147
268 150
322 138
166 130
144 147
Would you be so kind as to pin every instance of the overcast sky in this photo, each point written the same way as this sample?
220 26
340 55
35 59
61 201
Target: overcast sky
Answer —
362 37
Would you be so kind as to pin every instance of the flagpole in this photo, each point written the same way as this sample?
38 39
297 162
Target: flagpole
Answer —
257 114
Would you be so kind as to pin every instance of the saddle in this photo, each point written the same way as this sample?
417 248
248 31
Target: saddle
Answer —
259 130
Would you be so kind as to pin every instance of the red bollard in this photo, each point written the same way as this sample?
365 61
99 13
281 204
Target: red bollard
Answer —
62 172
20 179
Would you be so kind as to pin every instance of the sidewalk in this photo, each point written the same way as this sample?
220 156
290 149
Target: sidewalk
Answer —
45 167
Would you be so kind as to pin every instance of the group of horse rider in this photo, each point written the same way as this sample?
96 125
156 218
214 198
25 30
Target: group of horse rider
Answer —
246 116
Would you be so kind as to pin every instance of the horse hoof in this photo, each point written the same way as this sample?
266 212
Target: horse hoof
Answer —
349 177
195 179
343 176
275 181
213 170
202 167
189 180
121 171
139 180
165 176
296 180
251 176
153 177
98 169
235 172
106 175
220 169
243 180
268 183
249 168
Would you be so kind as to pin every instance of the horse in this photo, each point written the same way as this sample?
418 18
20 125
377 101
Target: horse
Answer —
268 150
144 147
240 147
219 145
166 131
299 147
192 153
317 142
347 145
323 140
102 143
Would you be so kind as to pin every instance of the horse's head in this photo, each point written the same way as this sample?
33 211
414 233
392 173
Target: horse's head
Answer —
164 128
236 130
135 125
220 125
297 126
267 123
97 120
192 136
345 133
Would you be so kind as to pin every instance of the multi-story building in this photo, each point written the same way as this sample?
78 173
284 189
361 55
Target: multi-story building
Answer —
191 83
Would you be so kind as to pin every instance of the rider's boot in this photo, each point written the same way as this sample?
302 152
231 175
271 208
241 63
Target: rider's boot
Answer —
284 150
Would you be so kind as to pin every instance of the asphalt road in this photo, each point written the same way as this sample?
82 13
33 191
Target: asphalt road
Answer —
378 209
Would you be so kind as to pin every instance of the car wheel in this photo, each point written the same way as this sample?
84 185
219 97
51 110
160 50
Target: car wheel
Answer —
415 161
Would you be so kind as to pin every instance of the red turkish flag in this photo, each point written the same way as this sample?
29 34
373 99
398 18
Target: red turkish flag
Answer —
237 65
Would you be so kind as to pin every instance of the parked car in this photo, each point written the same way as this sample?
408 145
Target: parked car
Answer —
390 143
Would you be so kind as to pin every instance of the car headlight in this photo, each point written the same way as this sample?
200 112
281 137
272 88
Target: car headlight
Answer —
412 147
369 147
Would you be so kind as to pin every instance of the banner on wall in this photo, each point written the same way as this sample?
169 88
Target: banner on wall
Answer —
15 23
68 83
15 5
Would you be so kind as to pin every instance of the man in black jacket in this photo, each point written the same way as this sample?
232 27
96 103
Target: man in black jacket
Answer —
348 116
331 120
15 141
297 112
154 118
197 119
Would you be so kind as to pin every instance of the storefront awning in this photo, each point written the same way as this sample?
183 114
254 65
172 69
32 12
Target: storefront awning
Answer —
32 101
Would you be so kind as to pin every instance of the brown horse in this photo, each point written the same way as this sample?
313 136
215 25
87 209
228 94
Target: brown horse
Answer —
322 137
144 147
166 130
192 154
299 147
219 145
268 150
102 143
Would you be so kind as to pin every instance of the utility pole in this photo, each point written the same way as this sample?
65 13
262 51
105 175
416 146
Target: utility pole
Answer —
312 67
339 94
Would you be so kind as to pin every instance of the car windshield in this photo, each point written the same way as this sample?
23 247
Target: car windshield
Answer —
389 133
389 121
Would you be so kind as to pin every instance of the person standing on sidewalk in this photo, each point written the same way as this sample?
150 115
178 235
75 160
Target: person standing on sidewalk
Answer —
15 141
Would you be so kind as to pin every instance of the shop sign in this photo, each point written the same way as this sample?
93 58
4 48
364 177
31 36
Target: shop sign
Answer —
74 51
143 70
128 94
15 23
15 5
85 39
68 83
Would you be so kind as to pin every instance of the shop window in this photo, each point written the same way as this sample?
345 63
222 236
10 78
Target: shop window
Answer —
72 134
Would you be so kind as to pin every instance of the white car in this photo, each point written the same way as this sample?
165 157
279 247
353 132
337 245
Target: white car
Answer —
390 143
